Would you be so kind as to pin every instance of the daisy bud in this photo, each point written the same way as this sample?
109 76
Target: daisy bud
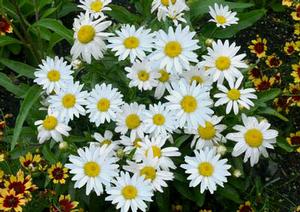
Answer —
76 64
221 149
237 173
208 42
63 145
120 153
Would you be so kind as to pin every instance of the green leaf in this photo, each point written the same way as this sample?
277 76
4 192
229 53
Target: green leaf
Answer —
57 27
272 112
283 144
198 197
20 68
31 96
6 40
229 192
49 156
122 15
268 95
8 85
179 141
200 7
184 190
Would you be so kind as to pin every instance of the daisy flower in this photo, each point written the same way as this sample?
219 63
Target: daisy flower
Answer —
162 7
142 76
222 61
199 75
209 134
235 97
130 192
103 104
94 167
53 74
130 144
159 121
190 103
131 119
175 49
106 139
154 148
51 127
253 138
131 42
95 7
175 12
207 169
69 102
89 37
149 168
222 16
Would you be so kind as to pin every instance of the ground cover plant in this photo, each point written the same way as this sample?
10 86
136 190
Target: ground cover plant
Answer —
150 105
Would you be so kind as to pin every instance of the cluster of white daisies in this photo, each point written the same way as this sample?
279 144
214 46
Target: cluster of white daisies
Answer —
167 64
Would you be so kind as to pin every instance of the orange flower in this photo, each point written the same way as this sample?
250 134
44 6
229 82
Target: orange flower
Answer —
5 26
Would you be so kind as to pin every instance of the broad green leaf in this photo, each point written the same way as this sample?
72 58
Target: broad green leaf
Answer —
184 190
179 141
6 83
6 40
271 112
283 144
31 96
49 156
20 68
122 15
68 8
198 197
268 95
229 192
48 12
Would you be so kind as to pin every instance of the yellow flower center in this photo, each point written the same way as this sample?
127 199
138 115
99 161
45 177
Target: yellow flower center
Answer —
164 76
53 75
221 19
166 2
254 138
69 100
91 169
158 119
106 141
133 121
223 63
189 104
86 34
50 122
96 6
143 75
103 105
129 192
156 151
148 172
136 143
173 49
233 94
131 42
207 132
197 79
205 169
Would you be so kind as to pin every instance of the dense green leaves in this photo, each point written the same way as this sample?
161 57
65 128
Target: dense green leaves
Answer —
6 83
20 68
6 40
122 15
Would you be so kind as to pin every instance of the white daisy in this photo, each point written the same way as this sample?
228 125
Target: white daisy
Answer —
207 169
103 104
253 138
89 37
94 167
131 42
235 97
154 148
131 119
106 139
130 192
199 75
95 7
130 144
209 134
141 75
222 61
69 102
159 121
175 49
190 103
149 169
162 7
51 127
175 12
53 74
222 16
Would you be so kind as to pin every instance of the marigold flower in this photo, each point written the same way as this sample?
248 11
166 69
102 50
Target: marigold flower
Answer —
290 48
30 161
297 29
245 207
282 104
58 173
65 204
259 47
263 83
5 26
295 91
294 139
273 61
10 201
296 14
296 72
254 73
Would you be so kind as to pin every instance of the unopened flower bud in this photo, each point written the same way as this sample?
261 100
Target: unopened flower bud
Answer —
63 145
120 153
237 173
208 42
221 149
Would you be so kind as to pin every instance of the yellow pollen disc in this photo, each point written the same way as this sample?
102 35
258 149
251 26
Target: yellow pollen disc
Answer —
50 122
133 121
254 138
158 119
164 76
53 75
166 2
103 105
189 104
205 169
131 42
129 192
207 132
106 141
96 6
223 63
136 143
173 49
156 151
68 100
197 79
143 75
233 94
86 34
148 172
91 169
221 19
